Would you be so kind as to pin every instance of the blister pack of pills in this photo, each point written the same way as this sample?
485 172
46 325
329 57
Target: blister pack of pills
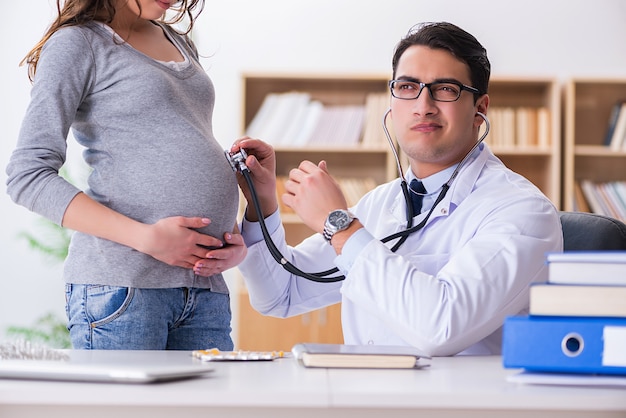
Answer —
213 354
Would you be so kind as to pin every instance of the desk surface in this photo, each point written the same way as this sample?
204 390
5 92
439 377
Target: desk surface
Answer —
451 386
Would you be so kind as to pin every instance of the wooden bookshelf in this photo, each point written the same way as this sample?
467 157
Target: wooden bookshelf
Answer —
540 164
588 104
257 332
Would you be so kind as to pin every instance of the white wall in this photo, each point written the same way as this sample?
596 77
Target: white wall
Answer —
547 38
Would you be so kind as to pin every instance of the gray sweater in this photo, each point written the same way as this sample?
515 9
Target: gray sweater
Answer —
148 137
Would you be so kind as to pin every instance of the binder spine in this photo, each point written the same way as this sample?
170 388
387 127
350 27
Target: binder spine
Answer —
565 344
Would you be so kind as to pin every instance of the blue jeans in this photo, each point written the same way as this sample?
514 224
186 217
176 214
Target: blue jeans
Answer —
121 318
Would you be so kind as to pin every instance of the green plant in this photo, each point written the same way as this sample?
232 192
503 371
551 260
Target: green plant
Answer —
52 241
48 330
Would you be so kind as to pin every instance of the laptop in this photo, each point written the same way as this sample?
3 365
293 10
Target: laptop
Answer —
113 366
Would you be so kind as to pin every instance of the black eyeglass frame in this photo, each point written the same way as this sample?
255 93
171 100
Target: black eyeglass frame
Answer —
428 86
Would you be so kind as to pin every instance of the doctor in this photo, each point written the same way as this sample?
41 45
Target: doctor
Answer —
448 288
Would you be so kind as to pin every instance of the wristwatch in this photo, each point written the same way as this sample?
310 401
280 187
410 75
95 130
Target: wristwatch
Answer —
337 220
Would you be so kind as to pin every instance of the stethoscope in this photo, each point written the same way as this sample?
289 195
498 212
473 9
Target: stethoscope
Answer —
237 161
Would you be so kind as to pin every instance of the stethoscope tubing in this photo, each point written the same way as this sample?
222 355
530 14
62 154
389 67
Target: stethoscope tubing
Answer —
322 277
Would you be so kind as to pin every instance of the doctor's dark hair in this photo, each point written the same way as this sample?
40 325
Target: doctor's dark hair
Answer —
449 37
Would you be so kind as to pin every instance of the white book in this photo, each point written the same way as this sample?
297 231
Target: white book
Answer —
587 267
295 117
508 126
543 127
323 128
279 117
351 125
258 123
521 127
302 134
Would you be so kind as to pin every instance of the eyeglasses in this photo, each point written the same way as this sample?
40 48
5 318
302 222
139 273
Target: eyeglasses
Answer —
440 91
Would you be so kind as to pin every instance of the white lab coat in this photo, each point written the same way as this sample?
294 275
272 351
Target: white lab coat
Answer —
448 288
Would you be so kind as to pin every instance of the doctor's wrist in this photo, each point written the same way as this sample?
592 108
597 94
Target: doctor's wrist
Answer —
339 239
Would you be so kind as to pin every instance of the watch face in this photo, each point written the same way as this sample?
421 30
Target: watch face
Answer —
339 219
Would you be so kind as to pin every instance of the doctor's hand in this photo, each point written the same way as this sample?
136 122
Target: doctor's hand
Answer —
313 193
262 164
221 259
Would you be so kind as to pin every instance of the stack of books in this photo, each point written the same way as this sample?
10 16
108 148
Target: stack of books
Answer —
603 198
577 319
522 127
295 119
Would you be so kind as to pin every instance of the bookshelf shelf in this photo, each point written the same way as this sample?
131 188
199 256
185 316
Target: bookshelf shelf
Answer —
540 164
597 151
588 107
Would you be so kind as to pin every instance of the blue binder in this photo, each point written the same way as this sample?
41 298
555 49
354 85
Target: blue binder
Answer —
586 345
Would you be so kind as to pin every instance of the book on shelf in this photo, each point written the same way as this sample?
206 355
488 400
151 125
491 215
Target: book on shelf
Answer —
597 198
616 200
338 125
261 117
587 267
358 356
275 116
611 205
544 127
502 126
295 119
620 190
592 196
580 201
607 199
557 344
301 127
525 127
618 134
615 111
376 104
587 300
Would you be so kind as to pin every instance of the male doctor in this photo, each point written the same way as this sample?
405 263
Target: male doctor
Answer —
449 286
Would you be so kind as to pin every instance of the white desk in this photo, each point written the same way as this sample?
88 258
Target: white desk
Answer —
458 386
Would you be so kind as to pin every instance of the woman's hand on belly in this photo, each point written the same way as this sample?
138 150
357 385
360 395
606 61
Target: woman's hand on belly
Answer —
176 242
221 259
